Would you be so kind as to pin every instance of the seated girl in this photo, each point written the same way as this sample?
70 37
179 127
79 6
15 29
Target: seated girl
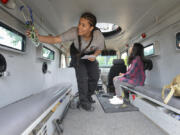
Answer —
134 76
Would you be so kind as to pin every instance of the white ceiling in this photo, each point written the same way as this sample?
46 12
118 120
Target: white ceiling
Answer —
133 16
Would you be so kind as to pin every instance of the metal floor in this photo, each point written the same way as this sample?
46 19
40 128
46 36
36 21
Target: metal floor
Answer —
80 122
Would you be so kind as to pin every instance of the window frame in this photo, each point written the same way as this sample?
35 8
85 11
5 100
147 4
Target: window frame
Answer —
151 44
17 33
109 34
112 33
49 50
123 52
178 40
106 56
61 64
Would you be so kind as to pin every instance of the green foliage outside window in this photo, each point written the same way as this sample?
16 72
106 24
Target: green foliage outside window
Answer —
106 61
47 53
10 39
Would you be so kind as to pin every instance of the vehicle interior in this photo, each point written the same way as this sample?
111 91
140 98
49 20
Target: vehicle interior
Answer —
38 87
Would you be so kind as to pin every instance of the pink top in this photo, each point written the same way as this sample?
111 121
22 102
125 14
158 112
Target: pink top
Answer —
135 74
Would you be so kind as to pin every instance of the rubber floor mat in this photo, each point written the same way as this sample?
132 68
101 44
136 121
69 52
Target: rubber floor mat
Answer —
111 108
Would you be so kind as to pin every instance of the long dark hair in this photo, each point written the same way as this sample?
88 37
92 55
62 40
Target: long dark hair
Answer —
137 50
92 21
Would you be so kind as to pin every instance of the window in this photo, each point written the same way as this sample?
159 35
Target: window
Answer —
47 53
68 61
109 29
106 61
178 40
124 55
149 50
63 61
10 38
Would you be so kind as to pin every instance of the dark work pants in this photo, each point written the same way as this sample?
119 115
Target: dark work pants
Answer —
87 74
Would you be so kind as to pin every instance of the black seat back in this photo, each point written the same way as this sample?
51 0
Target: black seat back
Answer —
148 64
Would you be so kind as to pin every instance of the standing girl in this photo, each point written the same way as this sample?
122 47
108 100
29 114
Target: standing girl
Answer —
87 40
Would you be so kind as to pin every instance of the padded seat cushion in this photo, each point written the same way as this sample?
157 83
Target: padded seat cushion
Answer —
155 93
16 117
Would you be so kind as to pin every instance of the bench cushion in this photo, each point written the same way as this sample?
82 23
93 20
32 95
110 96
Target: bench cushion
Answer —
155 93
16 117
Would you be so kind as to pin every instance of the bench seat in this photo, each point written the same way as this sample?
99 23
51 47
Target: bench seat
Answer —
154 94
150 103
16 117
